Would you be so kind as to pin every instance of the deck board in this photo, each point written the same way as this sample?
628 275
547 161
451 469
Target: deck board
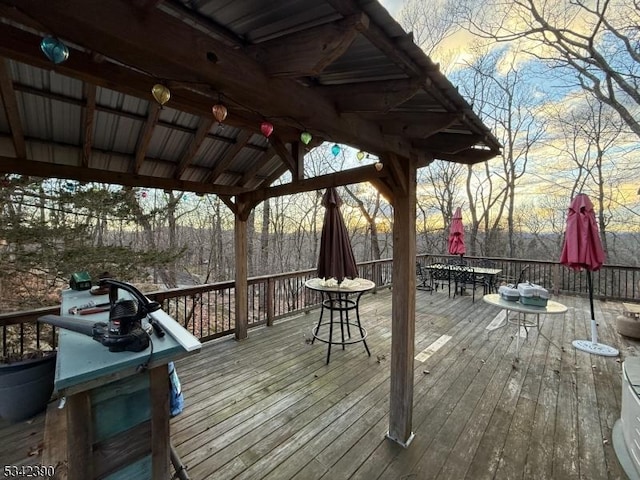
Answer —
268 407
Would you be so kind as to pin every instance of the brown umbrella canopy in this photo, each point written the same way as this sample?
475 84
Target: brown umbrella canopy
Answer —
336 258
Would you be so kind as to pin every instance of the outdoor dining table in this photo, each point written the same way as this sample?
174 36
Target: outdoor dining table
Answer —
336 298
453 268
477 271
552 308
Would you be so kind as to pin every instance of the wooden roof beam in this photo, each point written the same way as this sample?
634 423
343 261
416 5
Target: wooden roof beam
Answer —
336 179
395 167
377 37
23 46
448 142
372 96
82 174
382 185
231 153
418 125
145 5
196 142
166 47
145 136
255 168
310 51
89 117
470 156
267 181
288 159
11 110
133 116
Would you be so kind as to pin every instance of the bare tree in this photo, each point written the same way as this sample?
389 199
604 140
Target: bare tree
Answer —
430 23
588 134
595 41
442 184
264 237
370 207
504 95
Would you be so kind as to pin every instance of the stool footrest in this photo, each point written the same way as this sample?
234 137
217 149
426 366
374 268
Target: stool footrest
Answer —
361 338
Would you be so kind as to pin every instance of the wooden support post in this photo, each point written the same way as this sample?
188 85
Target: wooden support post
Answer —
241 286
80 436
297 152
555 279
160 435
403 304
271 301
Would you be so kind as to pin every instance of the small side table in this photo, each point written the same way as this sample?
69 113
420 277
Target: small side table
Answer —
336 299
552 308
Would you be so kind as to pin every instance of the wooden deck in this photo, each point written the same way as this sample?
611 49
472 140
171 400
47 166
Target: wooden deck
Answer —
270 408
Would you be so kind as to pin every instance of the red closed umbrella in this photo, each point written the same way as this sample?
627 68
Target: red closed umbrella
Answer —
336 258
582 249
456 234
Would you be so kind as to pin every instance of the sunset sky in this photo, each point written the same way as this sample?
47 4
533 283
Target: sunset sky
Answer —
549 170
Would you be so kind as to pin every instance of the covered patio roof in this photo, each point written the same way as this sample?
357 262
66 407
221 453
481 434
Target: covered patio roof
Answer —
342 70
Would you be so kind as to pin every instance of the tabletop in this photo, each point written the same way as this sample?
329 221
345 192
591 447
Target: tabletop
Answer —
480 270
357 285
552 307
81 359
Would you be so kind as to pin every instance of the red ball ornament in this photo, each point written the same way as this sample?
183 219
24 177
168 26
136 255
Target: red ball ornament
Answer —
266 128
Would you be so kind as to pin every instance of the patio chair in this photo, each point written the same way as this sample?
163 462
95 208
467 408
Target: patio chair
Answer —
456 261
490 281
522 276
440 277
424 280
507 280
465 277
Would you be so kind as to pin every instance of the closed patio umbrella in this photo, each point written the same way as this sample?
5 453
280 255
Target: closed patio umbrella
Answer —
336 258
582 249
456 234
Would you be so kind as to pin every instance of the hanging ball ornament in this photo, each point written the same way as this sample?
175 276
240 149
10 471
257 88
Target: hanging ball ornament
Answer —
266 128
161 93
335 149
219 112
54 49
305 137
360 155
378 165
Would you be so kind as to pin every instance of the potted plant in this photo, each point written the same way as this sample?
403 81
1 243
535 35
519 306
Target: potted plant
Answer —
26 378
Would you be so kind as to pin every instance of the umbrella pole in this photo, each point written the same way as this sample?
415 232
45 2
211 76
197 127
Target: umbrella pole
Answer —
594 329
593 346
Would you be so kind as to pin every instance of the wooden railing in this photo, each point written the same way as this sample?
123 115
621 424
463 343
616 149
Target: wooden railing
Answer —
208 311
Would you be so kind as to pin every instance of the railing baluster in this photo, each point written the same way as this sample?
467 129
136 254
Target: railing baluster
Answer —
208 311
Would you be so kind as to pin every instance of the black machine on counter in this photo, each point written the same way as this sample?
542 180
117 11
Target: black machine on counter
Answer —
124 331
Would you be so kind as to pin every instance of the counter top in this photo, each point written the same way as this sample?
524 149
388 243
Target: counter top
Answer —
84 363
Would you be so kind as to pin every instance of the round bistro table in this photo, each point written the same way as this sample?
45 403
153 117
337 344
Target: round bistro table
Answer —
335 299
552 308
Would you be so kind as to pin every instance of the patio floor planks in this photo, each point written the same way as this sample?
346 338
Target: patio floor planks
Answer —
270 408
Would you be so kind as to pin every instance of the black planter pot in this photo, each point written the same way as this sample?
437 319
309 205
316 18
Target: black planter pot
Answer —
26 387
